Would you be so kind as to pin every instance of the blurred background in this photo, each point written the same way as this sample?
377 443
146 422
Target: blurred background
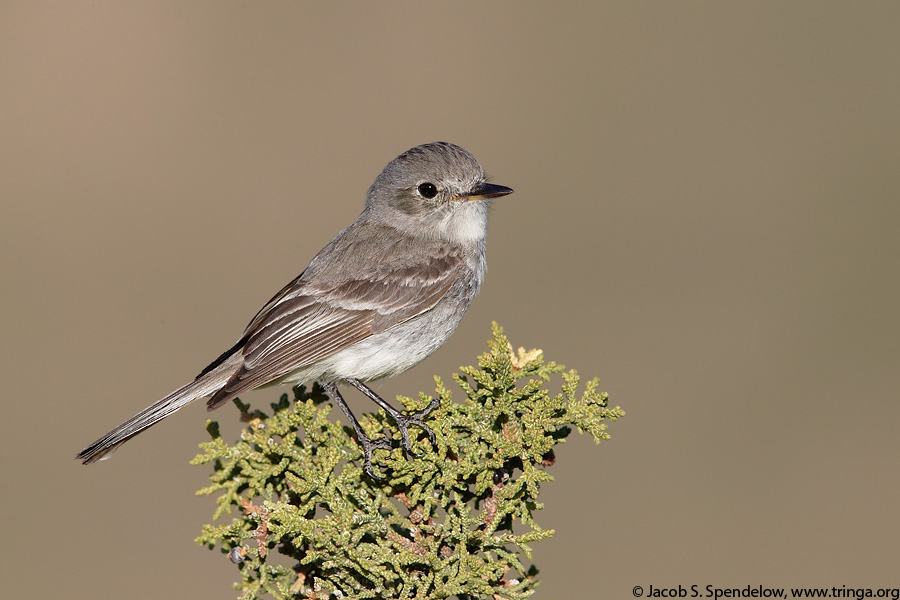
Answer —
706 217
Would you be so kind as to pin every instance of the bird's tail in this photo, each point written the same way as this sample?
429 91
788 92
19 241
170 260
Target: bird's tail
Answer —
204 385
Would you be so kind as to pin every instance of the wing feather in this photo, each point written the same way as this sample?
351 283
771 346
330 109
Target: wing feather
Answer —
307 322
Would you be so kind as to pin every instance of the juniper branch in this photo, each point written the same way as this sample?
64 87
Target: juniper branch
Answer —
457 522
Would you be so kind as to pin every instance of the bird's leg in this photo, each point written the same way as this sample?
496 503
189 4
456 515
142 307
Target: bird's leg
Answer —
365 441
403 421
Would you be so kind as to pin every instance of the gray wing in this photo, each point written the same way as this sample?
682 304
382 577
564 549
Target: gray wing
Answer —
315 315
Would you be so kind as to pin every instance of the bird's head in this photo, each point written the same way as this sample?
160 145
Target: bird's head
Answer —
435 190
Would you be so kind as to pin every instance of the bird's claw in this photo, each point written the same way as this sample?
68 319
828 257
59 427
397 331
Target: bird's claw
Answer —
404 421
369 445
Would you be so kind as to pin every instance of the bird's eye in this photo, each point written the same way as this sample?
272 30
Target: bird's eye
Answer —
428 190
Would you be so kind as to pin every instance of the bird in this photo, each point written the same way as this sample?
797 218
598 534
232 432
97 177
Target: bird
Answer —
379 298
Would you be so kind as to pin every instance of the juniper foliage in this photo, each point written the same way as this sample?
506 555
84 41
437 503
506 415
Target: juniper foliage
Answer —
457 521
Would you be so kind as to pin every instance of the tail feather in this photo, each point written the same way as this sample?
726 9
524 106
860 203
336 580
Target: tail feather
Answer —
206 385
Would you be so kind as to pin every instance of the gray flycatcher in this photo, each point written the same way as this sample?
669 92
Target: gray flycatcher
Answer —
380 297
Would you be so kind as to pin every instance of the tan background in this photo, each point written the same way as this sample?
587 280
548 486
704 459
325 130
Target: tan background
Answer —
706 216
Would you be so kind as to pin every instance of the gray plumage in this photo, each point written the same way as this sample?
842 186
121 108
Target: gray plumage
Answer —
380 297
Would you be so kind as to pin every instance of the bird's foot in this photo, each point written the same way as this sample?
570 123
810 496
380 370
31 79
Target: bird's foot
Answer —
417 418
403 421
368 446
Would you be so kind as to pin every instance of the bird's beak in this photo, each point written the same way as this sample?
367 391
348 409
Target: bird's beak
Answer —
486 190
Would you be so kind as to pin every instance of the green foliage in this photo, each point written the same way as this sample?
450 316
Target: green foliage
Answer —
456 521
